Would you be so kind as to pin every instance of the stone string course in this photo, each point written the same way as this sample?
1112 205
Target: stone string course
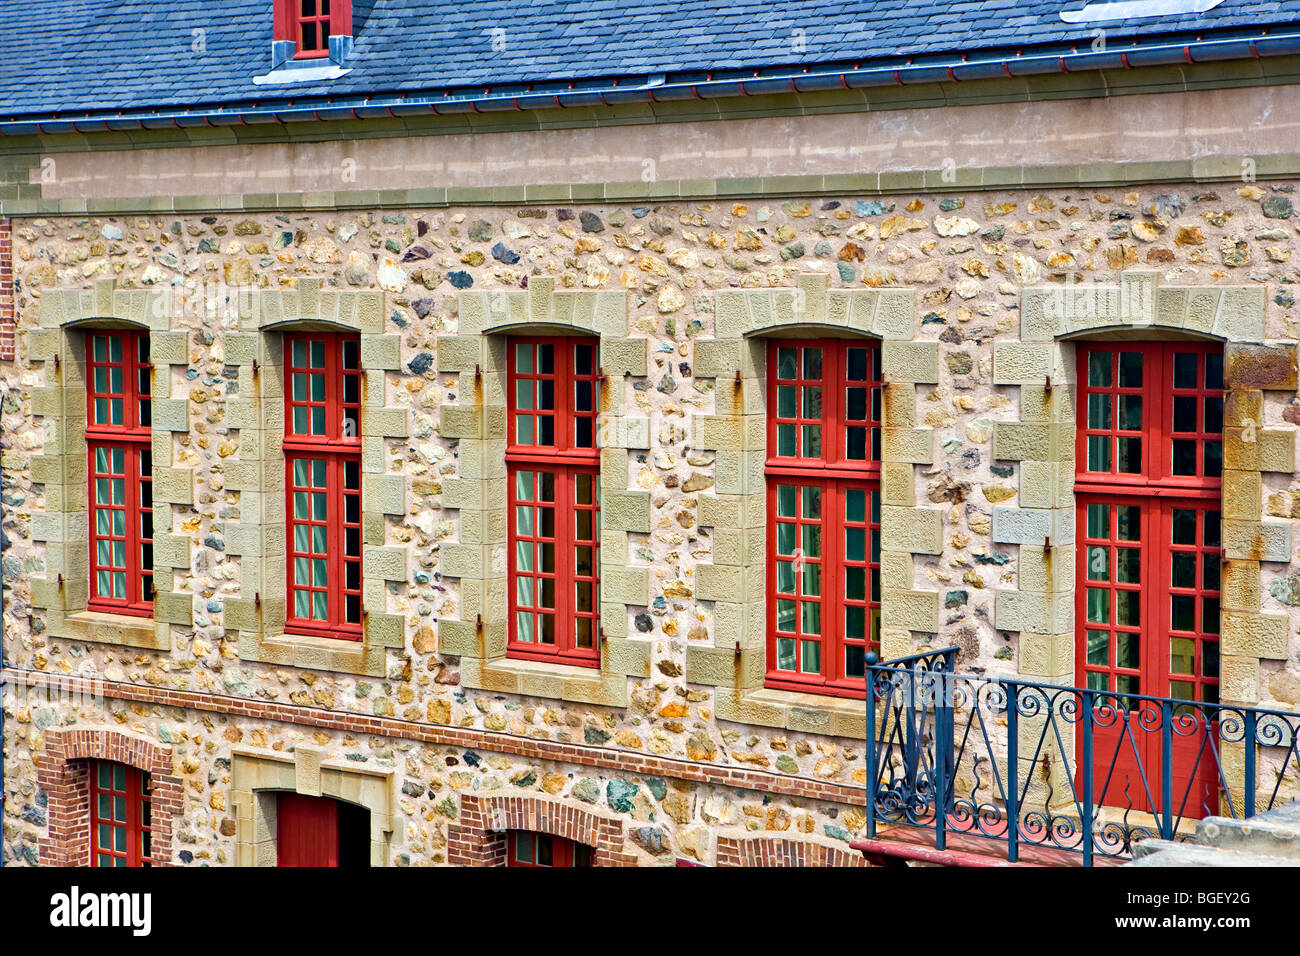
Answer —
977 298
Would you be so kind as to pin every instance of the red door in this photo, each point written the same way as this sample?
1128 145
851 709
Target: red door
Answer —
307 831
1148 620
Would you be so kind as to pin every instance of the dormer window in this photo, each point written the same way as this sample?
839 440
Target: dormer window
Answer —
309 24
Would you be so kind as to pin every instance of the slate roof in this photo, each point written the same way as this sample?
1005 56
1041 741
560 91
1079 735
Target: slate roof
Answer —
59 55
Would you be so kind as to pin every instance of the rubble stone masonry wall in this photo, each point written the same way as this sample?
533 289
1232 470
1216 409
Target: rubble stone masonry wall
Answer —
672 748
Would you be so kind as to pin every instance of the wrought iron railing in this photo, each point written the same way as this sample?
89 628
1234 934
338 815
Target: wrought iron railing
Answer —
1041 765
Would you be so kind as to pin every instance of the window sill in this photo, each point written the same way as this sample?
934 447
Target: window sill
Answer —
581 685
102 627
320 654
792 710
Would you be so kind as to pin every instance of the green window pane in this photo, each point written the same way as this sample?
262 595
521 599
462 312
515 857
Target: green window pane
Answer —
318 388
1099 410
1128 455
1182 655
1128 608
1099 452
812 441
1130 370
1099 369
300 505
855 544
524 359
855 622
1099 648
855 584
319 470
302 604
319 506
524 627
1209 615
1128 650
302 571
1098 563
855 505
524 556
300 390
1129 570
785 615
320 606
1128 520
119 585
812 363
785 404
1098 521
812 502
811 617
318 420
811 662
787 364
301 538
812 541
318 542
785 501
785 577
785 653
785 538
812 580
1098 606
812 402
317 353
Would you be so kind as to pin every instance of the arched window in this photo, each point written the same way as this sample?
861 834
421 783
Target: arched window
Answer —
322 459
120 815
541 849
118 441
1147 488
823 525
553 481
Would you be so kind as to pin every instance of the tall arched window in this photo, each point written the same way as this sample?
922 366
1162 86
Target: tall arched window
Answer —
1148 462
553 480
823 526
322 459
118 439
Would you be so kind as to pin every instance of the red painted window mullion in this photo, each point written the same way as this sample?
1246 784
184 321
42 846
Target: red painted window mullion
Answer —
564 563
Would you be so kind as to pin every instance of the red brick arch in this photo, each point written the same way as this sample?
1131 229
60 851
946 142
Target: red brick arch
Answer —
479 838
63 773
783 851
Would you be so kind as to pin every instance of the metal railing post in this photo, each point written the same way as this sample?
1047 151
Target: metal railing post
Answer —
1248 741
873 751
1166 770
1013 772
939 764
1085 772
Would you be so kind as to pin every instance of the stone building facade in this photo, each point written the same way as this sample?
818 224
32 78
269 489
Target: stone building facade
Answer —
978 290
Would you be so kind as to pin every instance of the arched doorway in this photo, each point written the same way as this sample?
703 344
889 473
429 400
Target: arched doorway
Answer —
319 831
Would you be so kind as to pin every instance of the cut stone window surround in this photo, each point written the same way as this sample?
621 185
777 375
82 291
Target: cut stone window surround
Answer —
257 777
259 538
1042 445
735 662
478 558
66 318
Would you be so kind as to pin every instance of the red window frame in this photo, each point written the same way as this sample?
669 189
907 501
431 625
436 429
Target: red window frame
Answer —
310 23
823 482
120 815
526 848
322 467
120 472
553 499
1157 576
